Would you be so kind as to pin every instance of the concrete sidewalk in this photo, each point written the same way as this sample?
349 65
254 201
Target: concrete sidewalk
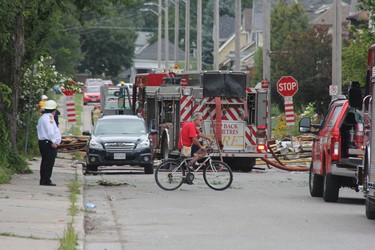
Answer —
36 217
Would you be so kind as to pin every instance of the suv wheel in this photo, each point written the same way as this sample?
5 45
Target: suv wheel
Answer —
149 169
331 188
315 183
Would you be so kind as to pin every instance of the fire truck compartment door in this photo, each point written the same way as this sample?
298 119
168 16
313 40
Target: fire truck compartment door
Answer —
233 136
261 114
224 85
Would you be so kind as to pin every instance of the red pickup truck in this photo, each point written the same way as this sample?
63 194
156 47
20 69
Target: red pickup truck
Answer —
337 150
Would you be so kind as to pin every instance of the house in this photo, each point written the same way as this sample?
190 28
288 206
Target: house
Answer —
146 58
146 55
319 11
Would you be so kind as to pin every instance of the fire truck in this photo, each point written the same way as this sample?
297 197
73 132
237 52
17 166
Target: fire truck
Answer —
369 116
233 113
115 100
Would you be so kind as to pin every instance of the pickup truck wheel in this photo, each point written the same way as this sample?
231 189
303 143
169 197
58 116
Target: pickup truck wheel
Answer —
149 169
331 188
370 209
315 183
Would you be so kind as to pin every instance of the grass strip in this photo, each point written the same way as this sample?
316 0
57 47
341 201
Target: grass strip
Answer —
70 239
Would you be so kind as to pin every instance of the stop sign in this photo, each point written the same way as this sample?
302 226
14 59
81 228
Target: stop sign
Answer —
67 91
287 86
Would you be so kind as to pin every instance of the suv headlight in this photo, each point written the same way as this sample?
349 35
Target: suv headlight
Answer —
144 144
95 145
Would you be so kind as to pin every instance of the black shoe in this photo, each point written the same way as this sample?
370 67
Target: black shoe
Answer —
191 168
47 184
189 182
189 178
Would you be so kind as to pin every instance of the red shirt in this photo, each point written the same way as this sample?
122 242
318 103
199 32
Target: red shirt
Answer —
188 132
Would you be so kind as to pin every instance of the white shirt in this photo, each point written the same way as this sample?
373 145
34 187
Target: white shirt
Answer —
47 129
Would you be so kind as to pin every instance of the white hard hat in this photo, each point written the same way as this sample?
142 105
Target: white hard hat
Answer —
44 97
50 105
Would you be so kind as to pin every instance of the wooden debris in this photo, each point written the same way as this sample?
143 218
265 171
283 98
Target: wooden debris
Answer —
73 143
300 148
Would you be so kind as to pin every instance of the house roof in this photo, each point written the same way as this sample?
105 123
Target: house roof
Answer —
314 9
359 16
142 41
326 14
151 52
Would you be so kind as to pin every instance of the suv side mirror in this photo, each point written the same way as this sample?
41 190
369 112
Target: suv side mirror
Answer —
304 125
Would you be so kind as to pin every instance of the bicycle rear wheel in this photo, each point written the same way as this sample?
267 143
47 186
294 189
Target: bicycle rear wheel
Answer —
218 175
169 175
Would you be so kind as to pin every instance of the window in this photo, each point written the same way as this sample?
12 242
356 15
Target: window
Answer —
120 127
334 115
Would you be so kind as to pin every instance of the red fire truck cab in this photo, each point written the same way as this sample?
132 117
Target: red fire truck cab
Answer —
369 159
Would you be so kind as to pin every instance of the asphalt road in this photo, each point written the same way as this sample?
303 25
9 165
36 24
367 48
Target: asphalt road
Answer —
264 209
269 209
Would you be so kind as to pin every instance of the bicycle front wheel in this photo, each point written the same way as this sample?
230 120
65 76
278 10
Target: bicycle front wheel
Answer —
218 175
169 175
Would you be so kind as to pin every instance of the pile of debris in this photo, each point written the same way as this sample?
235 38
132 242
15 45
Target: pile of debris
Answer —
73 143
299 147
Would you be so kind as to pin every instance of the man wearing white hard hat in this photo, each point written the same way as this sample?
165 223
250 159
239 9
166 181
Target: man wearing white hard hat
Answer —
42 102
49 138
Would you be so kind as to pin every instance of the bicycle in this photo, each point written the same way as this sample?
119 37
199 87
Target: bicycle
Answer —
170 174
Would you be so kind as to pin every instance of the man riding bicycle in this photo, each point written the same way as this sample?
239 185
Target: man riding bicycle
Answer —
188 141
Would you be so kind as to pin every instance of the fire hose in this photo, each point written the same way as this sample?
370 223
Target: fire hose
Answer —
280 165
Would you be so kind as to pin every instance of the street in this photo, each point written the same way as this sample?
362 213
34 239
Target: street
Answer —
263 209
269 209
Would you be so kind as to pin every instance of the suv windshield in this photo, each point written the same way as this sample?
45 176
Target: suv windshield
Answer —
119 127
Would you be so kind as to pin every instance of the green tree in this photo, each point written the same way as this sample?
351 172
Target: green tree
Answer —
309 61
287 20
355 51
26 27
354 55
108 42
257 75
64 45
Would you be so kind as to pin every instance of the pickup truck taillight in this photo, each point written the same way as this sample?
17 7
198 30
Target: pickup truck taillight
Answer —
335 148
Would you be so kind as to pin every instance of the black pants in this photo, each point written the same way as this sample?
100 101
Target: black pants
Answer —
194 149
48 160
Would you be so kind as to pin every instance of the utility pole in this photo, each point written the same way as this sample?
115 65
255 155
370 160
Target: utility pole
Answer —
216 35
176 29
266 57
199 35
337 46
187 35
159 34
166 35
237 14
